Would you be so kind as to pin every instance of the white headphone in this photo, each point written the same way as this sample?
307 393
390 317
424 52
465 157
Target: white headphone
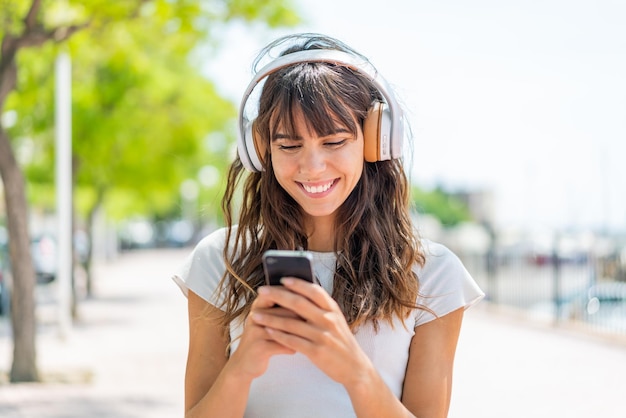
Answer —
383 129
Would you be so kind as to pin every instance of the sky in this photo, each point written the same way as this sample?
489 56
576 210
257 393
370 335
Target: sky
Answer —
523 99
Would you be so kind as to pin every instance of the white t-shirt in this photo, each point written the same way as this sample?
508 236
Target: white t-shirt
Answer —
292 386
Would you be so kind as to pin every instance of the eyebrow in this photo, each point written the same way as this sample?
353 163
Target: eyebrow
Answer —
335 131
286 136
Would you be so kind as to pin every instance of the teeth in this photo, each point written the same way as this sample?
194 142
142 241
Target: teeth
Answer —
318 189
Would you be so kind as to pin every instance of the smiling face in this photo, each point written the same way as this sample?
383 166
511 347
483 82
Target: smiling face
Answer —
309 134
318 171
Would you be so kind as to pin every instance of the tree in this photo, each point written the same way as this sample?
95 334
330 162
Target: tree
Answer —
140 112
444 206
114 142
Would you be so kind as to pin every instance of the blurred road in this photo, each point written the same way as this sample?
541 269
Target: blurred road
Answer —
125 357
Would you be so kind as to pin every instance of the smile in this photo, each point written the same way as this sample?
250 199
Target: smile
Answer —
320 188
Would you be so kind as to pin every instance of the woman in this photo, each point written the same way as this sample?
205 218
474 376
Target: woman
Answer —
377 337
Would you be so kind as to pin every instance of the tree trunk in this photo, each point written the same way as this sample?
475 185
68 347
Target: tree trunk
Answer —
91 216
24 367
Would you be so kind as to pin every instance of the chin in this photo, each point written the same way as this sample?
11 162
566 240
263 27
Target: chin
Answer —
319 212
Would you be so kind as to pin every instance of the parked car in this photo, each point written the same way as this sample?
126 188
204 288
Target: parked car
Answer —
4 289
44 252
604 306
4 286
44 255
137 234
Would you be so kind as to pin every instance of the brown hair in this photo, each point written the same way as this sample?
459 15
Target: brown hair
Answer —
375 242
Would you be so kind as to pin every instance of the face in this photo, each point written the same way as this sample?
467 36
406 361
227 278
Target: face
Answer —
318 172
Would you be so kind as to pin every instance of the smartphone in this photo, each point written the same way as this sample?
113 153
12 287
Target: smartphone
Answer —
287 263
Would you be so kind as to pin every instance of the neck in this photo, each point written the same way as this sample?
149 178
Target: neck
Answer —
321 234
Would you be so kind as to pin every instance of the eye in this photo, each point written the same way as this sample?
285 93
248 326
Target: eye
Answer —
338 138
335 143
283 147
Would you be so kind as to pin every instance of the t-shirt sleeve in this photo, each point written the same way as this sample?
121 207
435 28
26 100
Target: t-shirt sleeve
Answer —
203 268
445 284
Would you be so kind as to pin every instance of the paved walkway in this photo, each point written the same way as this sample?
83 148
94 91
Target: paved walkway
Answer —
507 367
125 357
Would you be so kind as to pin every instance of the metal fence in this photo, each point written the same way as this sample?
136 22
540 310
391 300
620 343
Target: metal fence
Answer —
586 290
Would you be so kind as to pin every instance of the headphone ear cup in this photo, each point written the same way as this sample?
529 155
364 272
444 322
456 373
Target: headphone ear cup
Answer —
259 146
376 133
246 148
371 133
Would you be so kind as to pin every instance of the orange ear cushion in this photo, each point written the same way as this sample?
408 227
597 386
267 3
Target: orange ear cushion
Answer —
371 133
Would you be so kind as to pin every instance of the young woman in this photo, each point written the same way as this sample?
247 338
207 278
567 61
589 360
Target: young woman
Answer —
321 172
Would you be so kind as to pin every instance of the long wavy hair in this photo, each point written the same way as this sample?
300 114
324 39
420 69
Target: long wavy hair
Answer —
375 241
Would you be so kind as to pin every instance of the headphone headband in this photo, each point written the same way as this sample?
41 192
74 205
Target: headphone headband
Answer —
245 145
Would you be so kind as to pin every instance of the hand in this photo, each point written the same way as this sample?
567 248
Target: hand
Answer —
319 330
256 345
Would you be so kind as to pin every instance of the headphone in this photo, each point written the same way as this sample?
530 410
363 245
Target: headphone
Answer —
383 128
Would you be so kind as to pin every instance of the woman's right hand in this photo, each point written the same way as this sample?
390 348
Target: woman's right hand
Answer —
256 347
217 384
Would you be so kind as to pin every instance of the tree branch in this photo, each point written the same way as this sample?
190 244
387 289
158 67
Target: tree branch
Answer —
8 70
34 34
38 36
31 17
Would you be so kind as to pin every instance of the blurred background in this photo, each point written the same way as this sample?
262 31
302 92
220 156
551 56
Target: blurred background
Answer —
517 112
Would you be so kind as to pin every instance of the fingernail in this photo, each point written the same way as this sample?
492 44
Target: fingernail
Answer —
286 281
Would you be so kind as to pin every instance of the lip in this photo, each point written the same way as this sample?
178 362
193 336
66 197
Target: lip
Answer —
318 189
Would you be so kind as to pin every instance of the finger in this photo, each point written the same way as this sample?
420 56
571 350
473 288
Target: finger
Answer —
278 312
307 300
270 296
285 298
264 298
290 341
255 331
278 328
315 293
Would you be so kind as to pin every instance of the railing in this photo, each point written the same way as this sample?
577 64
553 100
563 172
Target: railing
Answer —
564 291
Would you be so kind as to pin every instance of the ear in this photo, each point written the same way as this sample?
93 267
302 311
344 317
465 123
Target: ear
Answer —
371 132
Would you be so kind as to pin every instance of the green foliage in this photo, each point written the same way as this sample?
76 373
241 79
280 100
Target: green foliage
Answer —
274 12
143 116
448 209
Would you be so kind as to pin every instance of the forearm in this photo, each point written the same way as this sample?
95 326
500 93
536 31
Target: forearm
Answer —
372 398
226 398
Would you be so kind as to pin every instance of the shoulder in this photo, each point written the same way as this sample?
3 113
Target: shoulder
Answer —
214 241
444 283
439 257
204 267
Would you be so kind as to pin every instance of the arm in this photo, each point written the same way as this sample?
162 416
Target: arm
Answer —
206 359
428 378
428 381
215 384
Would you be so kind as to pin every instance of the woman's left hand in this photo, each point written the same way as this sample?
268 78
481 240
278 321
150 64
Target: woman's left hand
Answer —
320 331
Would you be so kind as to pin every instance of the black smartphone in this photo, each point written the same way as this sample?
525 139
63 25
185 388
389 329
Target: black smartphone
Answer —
287 263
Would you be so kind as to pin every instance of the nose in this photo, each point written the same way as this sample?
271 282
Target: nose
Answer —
312 161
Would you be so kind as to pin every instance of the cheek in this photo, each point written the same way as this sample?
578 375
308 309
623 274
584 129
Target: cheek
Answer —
281 172
351 163
282 162
358 172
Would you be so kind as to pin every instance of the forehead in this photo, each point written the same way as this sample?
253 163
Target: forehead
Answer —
318 120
